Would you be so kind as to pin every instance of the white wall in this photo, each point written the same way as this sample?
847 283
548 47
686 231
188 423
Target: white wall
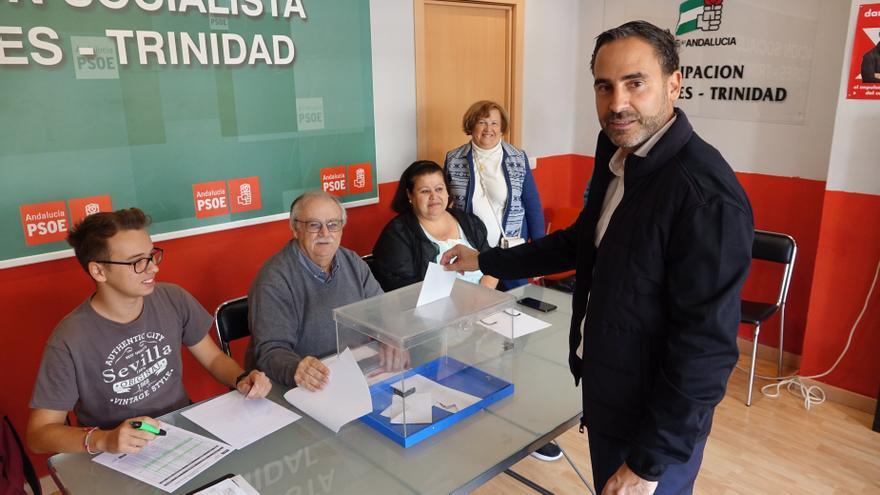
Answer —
590 22
775 149
559 115
394 86
855 146
551 60
791 150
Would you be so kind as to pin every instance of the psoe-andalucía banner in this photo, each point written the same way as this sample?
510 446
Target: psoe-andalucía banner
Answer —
864 70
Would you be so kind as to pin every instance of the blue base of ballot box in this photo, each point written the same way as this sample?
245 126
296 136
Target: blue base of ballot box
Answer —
445 371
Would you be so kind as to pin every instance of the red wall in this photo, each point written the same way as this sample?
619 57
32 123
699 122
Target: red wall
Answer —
792 206
849 250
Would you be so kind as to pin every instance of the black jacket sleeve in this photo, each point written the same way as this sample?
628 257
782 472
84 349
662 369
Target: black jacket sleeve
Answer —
393 257
871 65
708 258
553 253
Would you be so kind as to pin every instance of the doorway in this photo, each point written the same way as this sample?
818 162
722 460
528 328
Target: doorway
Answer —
465 51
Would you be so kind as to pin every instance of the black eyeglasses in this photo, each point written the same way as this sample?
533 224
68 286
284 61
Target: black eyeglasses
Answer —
314 226
140 265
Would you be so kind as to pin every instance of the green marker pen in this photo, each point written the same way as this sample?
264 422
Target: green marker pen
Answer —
138 425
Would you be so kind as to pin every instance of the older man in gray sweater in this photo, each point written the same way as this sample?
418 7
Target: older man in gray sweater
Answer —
292 299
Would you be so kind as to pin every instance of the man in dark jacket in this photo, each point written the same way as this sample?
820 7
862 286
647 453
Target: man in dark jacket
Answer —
661 249
871 65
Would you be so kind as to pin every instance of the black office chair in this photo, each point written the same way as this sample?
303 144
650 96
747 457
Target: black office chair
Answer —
776 248
231 320
369 260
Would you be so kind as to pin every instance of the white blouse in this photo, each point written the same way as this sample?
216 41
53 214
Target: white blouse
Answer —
490 190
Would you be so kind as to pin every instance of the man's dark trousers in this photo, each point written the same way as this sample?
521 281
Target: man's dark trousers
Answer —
607 454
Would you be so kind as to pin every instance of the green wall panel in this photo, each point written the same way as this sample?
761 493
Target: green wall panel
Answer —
145 133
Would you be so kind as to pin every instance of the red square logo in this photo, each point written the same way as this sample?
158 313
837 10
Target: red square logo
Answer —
209 199
83 207
360 178
244 194
333 180
44 222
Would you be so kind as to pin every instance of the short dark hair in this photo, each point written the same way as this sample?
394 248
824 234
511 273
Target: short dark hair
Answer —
480 110
400 203
89 236
662 40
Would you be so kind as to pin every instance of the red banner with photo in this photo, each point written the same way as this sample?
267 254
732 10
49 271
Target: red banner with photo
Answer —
864 71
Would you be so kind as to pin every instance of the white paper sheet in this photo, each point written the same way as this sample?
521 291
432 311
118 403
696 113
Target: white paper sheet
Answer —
419 409
444 397
437 285
511 322
345 398
367 351
168 461
360 353
237 485
239 421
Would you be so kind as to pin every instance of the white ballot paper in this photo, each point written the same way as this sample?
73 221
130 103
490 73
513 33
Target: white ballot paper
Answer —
168 461
236 485
442 396
345 398
419 409
437 285
361 353
239 421
513 323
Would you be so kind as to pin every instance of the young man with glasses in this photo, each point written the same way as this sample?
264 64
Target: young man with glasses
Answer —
292 299
116 358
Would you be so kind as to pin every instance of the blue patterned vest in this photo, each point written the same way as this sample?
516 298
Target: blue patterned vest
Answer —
460 169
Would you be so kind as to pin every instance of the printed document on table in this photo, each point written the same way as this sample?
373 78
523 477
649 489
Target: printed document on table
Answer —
513 324
437 285
239 421
235 485
168 461
345 398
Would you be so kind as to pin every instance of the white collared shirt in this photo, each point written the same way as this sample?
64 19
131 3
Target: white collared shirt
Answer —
615 188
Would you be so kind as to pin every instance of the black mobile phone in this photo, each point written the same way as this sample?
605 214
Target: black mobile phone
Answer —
536 304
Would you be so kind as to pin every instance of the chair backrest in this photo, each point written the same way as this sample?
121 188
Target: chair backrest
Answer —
231 320
776 248
368 259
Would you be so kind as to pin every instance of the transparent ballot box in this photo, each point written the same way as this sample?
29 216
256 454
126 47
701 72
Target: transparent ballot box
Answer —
423 363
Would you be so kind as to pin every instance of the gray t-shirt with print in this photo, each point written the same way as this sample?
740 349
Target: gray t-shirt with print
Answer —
107 372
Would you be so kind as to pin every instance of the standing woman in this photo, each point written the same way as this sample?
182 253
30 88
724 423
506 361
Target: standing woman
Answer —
491 179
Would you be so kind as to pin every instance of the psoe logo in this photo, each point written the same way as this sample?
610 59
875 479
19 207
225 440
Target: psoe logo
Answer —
704 15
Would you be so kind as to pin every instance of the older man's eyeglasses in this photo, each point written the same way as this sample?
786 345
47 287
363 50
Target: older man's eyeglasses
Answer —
314 226
140 265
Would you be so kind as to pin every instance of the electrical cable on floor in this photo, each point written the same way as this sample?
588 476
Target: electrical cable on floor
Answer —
813 394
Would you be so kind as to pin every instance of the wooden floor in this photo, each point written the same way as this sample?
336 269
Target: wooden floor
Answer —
773 447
